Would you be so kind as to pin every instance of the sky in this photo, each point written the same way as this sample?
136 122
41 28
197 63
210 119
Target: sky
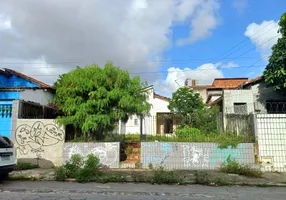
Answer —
162 41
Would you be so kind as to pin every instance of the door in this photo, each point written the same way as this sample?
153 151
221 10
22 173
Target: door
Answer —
5 118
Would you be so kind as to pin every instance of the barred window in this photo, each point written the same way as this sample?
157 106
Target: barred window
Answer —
240 108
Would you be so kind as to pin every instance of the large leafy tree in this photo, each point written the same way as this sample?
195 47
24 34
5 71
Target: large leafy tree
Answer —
94 99
275 72
185 103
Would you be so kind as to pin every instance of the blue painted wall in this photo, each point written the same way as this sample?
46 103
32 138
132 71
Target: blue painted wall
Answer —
6 98
15 81
9 95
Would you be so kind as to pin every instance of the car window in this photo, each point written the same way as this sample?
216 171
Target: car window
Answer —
4 142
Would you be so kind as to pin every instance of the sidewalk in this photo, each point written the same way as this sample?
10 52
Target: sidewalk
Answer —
190 177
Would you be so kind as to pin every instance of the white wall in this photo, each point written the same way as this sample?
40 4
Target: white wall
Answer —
271 136
149 122
237 96
39 138
38 96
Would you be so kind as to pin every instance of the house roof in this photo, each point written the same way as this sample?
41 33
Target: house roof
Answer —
160 97
41 84
252 81
222 83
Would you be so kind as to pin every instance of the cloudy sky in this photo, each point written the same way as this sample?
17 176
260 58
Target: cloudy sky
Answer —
163 41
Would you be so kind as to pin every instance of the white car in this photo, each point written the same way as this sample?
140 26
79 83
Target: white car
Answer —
8 158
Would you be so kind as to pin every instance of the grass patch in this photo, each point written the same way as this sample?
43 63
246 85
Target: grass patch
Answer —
22 178
202 178
26 166
166 177
231 166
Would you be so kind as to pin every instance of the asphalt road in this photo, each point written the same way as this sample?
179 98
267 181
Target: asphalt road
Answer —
40 190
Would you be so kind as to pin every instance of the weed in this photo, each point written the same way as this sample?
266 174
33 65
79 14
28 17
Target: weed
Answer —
72 167
60 173
168 177
231 166
90 171
150 166
221 182
202 178
25 166
112 178
139 178
138 165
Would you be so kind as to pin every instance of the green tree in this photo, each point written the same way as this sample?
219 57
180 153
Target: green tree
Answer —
94 99
185 103
275 72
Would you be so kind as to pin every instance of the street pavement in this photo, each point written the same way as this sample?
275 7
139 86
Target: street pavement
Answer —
49 190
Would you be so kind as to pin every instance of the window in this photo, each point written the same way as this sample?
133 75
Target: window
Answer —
136 122
240 108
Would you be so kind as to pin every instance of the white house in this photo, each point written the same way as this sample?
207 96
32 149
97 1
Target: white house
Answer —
160 119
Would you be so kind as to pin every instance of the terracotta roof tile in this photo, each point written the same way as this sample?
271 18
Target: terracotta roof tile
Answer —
160 97
222 83
41 84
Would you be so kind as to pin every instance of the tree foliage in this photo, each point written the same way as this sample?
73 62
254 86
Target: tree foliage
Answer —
95 99
185 103
275 72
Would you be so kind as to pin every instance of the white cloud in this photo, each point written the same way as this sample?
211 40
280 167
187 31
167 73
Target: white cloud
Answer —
5 22
204 21
204 74
228 65
263 36
128 32
240 5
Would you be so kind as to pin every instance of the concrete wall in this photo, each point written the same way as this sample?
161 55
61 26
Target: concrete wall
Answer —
38 96
184 155
202 92
108 152
149 122
237 96
271 137
39 139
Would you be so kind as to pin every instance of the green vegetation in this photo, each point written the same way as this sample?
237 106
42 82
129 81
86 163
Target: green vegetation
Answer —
95 99
275 72
160 176
223 140
26 166
231 166
202 178
82 171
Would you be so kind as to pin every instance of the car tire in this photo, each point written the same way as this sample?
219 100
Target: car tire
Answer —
4 176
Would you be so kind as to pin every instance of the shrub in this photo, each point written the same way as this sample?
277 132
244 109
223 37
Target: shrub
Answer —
25 166
60 173
90 171
188 132
72 167
231 166
160 176
150 166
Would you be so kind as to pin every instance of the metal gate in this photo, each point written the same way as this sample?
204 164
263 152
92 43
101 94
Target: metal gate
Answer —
5 118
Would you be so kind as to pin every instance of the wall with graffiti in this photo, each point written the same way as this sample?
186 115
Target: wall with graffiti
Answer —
40 139
107 152
173 155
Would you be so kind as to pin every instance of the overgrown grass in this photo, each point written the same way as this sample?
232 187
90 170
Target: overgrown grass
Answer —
223 140
26 166
231 166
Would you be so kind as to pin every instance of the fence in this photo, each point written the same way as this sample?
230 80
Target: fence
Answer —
107 152
182 155
31 110
271 138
